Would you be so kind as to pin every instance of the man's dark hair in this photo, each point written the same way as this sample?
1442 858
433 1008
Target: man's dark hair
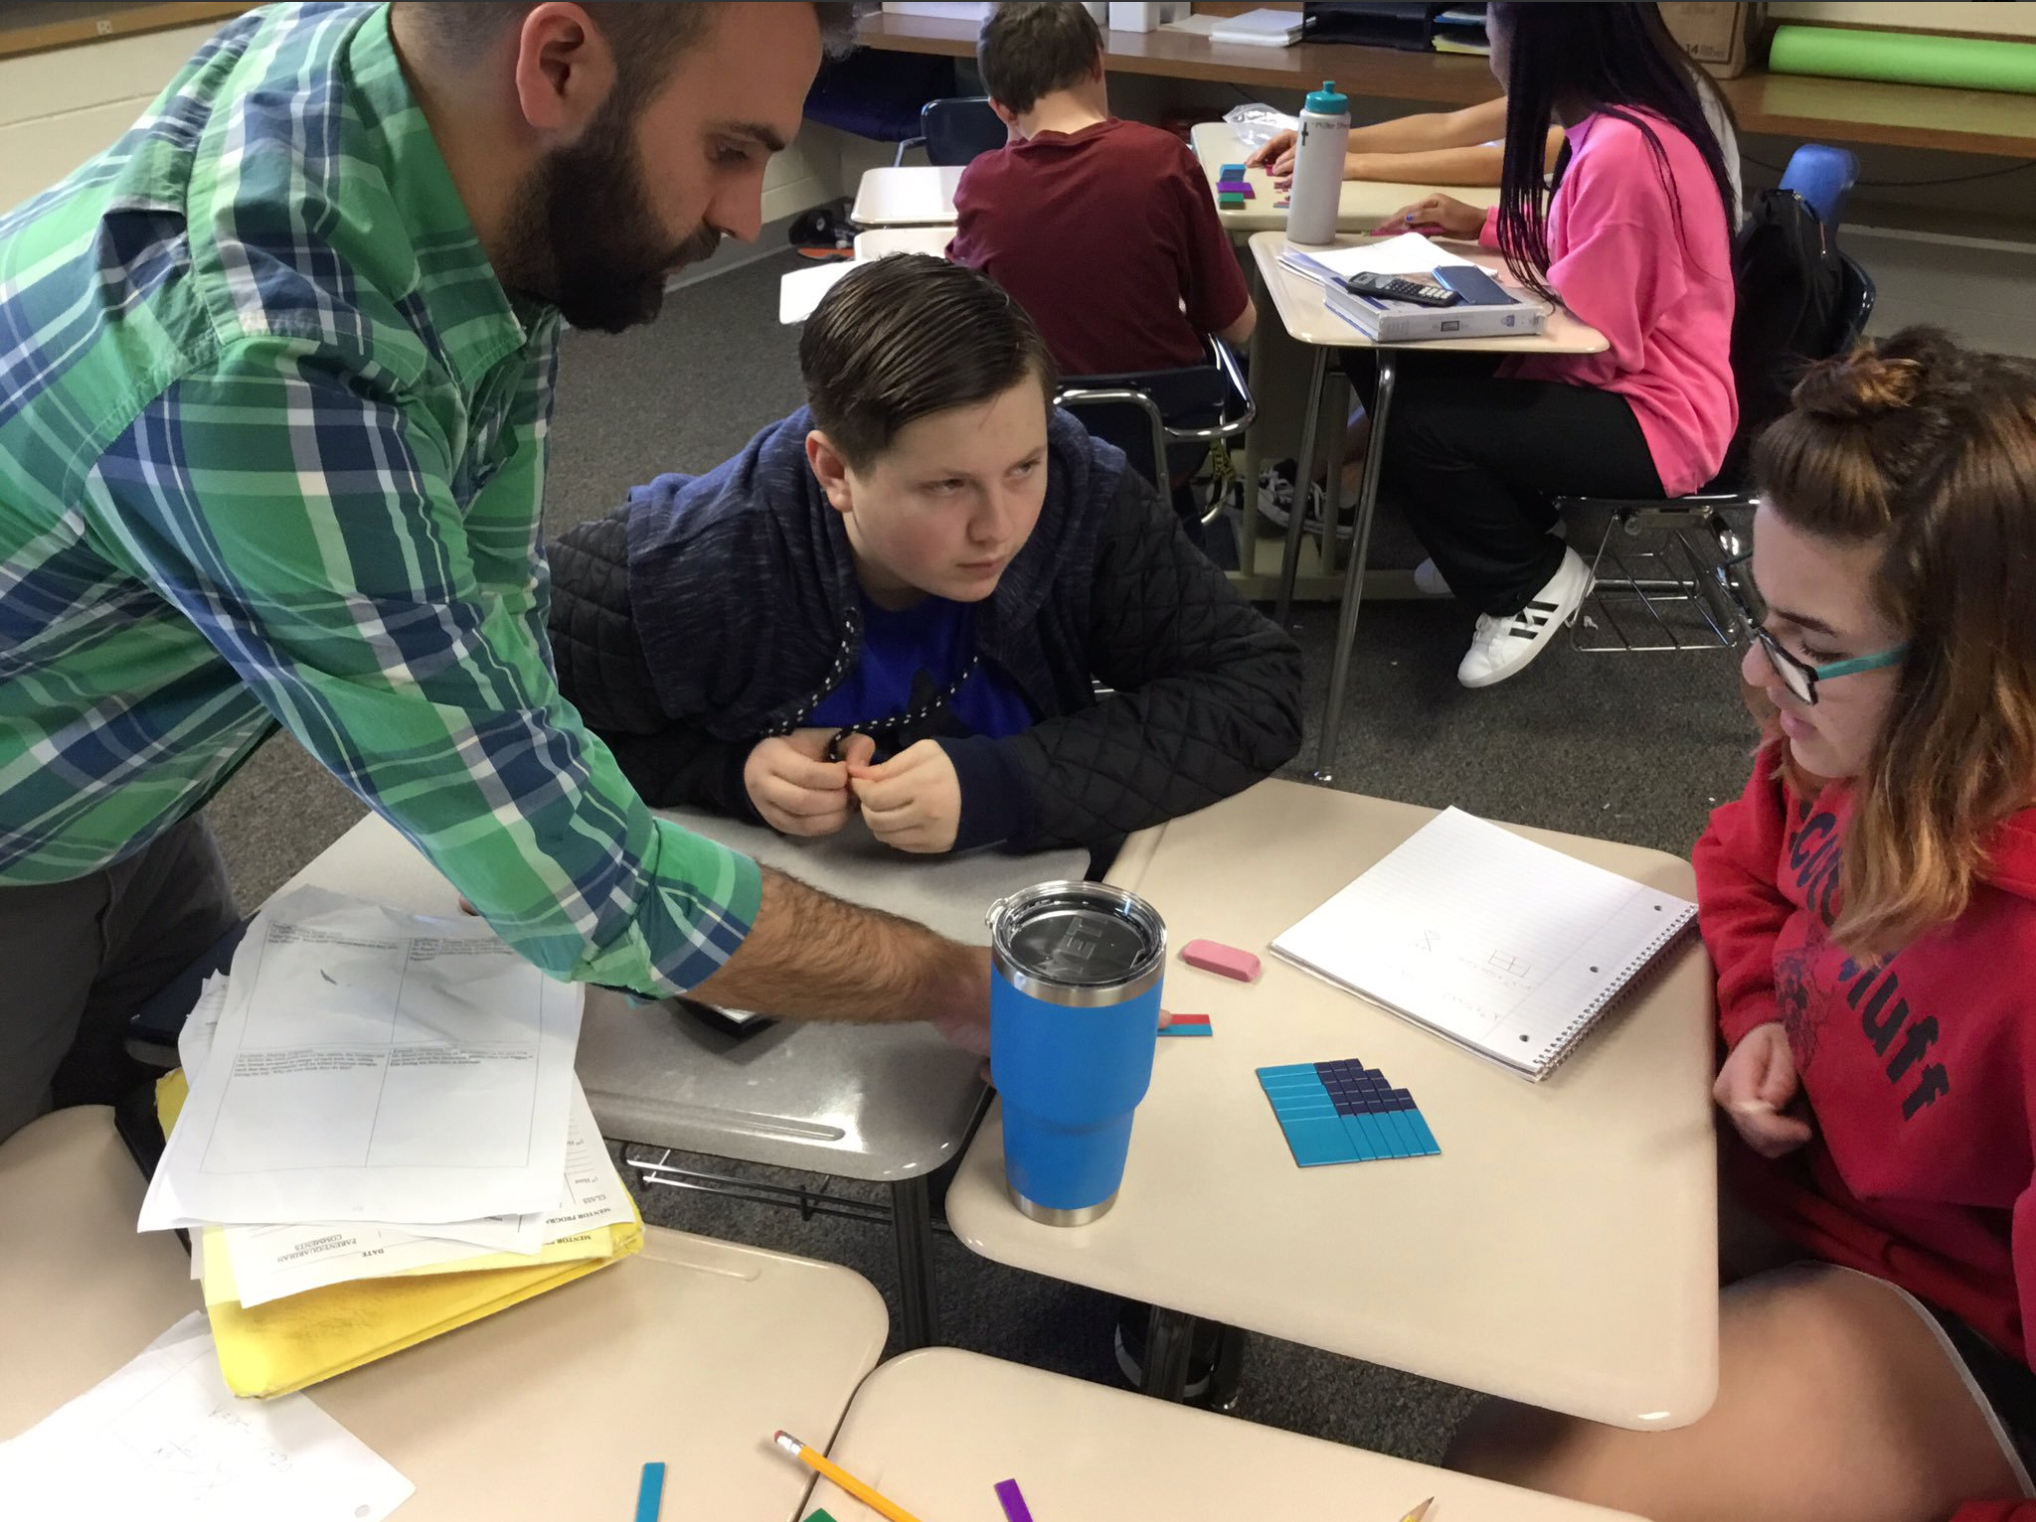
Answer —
1031 48
910 335
645 35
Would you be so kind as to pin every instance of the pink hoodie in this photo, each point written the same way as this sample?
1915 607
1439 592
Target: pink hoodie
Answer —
1656 282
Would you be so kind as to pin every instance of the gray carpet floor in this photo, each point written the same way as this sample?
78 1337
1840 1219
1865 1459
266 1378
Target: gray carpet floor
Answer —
1634 748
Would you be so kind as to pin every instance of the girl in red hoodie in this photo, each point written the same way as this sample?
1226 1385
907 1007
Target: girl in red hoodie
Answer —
1870 905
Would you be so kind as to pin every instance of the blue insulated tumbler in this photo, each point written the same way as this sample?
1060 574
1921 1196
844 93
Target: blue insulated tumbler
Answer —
1074 1015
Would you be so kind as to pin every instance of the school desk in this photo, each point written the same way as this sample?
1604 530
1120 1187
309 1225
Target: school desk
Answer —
1562 1248
875 242
1306 317
914 195
1280 366
691 1352
1362 205
935 1431
882 1104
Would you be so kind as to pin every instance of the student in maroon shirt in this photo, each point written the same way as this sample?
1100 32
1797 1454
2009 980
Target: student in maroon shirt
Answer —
1103 230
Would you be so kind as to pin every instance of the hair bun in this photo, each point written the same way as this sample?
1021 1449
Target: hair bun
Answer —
1874 379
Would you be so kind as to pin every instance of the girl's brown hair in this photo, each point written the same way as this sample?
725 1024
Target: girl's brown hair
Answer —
1931 450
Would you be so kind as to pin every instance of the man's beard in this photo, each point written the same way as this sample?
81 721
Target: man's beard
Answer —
584 238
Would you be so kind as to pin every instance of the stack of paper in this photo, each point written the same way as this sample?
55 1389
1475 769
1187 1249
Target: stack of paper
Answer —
1260 28
1507 315
163 1438
377 1096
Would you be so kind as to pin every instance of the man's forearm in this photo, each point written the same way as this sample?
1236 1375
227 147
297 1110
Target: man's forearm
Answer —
812 956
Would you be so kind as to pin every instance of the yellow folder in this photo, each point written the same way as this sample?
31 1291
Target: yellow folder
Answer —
290 1343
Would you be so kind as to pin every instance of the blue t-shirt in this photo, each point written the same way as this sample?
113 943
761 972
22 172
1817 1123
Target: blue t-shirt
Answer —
909 656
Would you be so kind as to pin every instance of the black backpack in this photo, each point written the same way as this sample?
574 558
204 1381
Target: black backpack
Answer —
1790 287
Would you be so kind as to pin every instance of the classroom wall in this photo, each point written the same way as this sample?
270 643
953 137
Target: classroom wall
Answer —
59 108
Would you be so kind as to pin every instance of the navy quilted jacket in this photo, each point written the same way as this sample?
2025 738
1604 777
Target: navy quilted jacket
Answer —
711 610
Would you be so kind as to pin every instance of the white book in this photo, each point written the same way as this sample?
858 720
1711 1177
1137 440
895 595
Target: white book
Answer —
1260 28
1399 322
1490 939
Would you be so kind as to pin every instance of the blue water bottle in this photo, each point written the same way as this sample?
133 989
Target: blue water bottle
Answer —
1074 1015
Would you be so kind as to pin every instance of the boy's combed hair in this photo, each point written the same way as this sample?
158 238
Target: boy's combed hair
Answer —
1030 48
1931 450
910 335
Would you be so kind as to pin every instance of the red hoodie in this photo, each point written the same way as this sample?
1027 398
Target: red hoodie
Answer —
1920 1072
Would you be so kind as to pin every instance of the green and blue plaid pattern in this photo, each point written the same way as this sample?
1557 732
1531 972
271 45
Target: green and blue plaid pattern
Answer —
272 442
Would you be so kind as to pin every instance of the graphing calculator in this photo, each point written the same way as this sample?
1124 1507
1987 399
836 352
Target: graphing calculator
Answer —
1400 288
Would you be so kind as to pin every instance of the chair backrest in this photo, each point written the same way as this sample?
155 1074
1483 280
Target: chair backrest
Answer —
1146 413
959 128
1856 305
1824 177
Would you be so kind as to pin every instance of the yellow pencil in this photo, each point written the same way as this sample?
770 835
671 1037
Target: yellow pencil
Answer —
1419 1512
828 1469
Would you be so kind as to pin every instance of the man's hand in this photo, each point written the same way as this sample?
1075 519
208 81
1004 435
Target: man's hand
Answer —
1757 1083
1444 216
913 801
796 789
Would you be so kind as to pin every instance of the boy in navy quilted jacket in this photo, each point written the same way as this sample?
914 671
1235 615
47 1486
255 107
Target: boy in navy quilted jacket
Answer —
927 598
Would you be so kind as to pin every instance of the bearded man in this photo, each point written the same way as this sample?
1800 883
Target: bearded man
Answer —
275 378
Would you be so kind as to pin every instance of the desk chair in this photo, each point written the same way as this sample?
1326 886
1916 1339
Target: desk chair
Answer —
1166 420
1668 595
955 130
1824 177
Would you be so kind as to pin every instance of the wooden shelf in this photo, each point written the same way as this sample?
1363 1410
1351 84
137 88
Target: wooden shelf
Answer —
1784 105
47 24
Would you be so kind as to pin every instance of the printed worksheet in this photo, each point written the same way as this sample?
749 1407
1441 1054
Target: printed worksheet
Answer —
163 1438
270 1262
371 1065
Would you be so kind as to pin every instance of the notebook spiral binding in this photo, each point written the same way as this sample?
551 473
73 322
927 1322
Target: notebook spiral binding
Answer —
1565 1041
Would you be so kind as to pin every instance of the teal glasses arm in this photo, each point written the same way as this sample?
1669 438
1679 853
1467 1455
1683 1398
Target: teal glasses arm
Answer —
1859 663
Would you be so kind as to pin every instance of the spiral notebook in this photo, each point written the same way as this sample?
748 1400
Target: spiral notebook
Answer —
1502 945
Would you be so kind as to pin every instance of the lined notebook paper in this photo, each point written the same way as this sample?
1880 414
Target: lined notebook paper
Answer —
1506 946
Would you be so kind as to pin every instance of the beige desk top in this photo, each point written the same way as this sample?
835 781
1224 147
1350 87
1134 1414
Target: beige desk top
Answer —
905 196
936 1430
1306 315
693 1352
1563 1248
1363 205
879 241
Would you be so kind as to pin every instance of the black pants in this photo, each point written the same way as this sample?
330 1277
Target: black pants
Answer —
1475 460
83 955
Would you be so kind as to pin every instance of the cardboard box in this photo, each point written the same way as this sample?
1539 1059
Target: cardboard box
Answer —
1724 38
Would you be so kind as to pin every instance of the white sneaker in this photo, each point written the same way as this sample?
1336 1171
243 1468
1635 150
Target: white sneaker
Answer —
1502 647
1428 581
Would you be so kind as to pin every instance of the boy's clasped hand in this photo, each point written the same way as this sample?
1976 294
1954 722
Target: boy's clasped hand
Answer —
911 802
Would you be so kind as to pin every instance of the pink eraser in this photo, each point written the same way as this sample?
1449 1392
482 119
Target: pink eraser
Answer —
1226 961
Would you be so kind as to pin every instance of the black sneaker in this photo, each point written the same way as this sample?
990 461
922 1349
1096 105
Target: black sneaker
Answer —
1215 1358
1276 500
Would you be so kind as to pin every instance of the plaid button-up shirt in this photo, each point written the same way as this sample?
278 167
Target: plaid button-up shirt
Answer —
272 443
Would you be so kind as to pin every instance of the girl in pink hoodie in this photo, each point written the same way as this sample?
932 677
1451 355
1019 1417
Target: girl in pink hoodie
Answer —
1635 240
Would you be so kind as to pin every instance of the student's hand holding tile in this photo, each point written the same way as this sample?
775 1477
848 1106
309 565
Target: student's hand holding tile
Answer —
796 789
912 801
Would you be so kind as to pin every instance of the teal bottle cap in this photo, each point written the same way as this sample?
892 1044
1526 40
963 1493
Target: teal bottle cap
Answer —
1328 101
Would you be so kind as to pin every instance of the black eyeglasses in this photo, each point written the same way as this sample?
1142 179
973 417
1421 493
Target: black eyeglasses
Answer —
1799 676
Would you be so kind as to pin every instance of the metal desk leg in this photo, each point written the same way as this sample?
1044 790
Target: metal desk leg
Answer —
912 1225
1168 1336
1353 579
1304 472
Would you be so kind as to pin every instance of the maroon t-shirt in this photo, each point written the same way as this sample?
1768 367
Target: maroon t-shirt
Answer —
1108 237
